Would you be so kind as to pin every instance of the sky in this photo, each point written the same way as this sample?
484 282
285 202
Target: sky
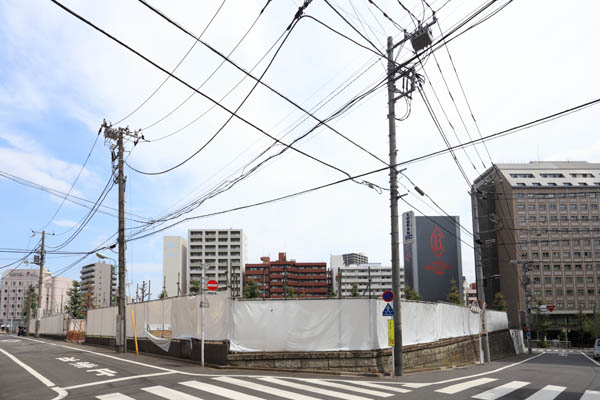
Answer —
61 79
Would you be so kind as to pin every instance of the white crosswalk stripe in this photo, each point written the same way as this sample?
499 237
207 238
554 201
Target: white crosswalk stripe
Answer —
500 391
548 392
312 389
169 394
380 386
114 396
344 386
459 387
220 391
264 388
590 395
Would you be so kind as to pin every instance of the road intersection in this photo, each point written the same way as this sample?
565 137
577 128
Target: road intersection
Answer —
48 369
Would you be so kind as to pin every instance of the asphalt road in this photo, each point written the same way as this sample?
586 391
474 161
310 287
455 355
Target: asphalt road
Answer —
46 369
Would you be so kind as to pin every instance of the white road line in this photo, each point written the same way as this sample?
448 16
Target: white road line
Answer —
263 388
126 378
500 391
380 386
590 395
114 396
308 388
589 358
169 394
459 387
548 392
219 391
61 393
350 388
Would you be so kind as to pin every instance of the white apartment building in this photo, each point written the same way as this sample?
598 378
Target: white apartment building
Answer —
57 295
102 278
370 278
175 275
13 289
222 252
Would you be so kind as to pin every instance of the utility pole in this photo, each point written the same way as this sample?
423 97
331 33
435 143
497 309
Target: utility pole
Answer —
178 284
29 301
397 349
525 282
479 277
111 136
40 285
143 290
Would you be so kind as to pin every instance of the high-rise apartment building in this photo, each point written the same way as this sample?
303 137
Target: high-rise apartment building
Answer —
282 277
175 272
541 217
354 259
368 278
102 279
222 254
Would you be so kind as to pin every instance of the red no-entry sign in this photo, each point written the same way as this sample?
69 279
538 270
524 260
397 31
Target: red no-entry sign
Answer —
212 285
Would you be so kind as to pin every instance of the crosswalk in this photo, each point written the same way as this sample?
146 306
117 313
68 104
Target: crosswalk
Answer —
265 387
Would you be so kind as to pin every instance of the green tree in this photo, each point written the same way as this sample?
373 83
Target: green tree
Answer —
73 307
291 294
499 302
88 300
332 293
163 294
410 293
195 286
584 326
251 289
31 300
454 295
354 292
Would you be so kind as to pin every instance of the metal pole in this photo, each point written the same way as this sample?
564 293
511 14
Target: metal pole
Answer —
122 344
394 210
479 276
40 286
202 312
523 279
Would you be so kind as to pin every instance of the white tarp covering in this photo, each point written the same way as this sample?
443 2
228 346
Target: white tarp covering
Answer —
295 325
496 320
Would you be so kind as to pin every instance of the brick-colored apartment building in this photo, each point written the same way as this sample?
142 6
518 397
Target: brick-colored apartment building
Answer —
274 277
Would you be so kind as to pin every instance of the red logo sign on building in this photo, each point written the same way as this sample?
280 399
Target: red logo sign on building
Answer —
436 241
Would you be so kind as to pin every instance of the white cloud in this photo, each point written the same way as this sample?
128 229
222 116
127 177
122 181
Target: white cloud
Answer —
64 223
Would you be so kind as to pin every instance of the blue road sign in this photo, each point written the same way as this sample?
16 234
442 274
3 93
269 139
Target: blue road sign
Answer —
388 311
388 296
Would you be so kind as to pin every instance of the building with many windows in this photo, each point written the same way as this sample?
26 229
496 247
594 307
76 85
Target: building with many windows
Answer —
284 278
222 254
537 232
13 289
101 278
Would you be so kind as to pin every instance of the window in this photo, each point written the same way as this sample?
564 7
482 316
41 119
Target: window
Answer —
542 219
552 206
566 254
552 175
569 279
593 206
548 293
560 305
577 254
520 195
590 292
567 184
535 254
520 207
542 207
589 279
521 219
545 254
520 184
570 305
582 184
594 218
564 218
558 280
536 280
583 207
551 184
555 254
579 279
536 184
569 292
547 280
581 175
573 206
562 207
559 292
577 267
546 267
521 176
553 218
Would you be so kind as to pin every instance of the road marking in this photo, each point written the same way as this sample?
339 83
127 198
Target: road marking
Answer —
589 358
380 386
590 395
313 389
459 387
500 391
548 392
169 394
114 396
263 388
61 393
126 378
219 391
346 387
415 385
10 340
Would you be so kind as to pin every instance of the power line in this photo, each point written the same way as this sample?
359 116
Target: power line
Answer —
174 69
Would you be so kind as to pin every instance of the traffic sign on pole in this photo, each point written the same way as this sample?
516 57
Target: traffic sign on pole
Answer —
388 311
212 285
388 296
550 308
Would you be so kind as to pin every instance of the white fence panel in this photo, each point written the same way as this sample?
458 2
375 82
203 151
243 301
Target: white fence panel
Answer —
102 322
496 320
53 325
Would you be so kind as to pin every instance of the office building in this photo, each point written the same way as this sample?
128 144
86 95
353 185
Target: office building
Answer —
102 280
282 277
432 257
222 254
175 274
370 279
13 289
541 217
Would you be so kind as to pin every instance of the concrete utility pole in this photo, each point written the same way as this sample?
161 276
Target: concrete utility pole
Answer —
40 285
397 349
525 282
479 276
117 135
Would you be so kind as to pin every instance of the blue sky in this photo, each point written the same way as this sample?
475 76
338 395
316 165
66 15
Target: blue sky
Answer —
60 79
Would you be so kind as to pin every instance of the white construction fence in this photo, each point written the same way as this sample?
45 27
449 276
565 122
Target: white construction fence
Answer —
293 325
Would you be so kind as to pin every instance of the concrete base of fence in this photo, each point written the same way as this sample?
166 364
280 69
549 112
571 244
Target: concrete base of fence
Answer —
215 353
443 353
